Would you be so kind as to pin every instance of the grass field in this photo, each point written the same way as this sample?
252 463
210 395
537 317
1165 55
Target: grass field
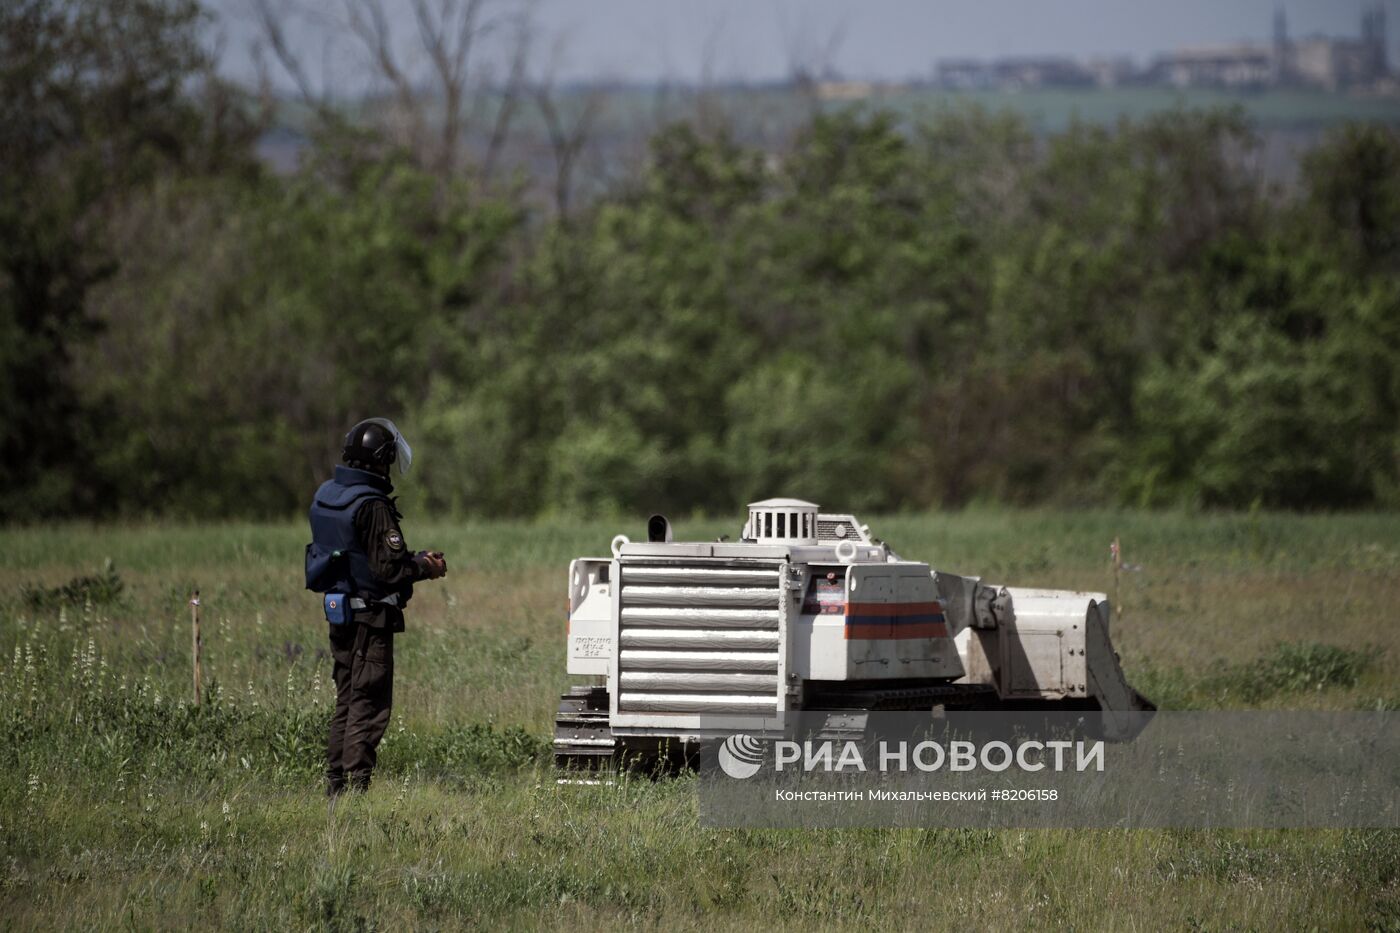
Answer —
122 805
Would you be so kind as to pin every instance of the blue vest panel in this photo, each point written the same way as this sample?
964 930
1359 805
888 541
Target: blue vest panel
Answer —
336 561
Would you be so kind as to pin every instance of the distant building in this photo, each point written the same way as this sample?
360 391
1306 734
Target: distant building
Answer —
965 74
1014 73
1334 63
1114 72
1316 61
1043 72
1242 66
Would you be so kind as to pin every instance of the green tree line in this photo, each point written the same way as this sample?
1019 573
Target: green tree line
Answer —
888 314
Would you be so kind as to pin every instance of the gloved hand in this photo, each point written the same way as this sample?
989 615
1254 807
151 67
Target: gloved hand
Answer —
431 564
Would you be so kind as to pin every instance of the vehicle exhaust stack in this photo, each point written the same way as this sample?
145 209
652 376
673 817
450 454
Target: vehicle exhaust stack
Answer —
658 530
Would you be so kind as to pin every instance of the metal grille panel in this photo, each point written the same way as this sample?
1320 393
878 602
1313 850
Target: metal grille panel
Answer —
699 637
827 525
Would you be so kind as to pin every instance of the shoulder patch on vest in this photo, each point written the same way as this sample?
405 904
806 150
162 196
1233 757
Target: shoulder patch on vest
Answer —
394 540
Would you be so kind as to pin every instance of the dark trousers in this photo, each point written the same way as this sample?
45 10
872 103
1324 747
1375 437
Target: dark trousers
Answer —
364 695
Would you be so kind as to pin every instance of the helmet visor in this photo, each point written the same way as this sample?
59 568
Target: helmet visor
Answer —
403 453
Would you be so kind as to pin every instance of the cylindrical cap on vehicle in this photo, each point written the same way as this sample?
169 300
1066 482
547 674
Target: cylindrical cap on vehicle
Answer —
782 521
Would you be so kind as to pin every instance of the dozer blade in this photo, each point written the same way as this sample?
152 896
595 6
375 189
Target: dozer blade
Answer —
1125 711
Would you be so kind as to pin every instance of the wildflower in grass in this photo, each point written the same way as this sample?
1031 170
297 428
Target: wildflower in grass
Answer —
30 670
399 799
88 674
33 785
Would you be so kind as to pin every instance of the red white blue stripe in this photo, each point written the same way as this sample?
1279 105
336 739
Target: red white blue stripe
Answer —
883 621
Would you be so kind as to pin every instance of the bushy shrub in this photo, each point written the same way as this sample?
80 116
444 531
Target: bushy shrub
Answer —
1294 667
100 589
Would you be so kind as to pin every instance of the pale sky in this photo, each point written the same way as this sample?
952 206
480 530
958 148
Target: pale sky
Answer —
649 40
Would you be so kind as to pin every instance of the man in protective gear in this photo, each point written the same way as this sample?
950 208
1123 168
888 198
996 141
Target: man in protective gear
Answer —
358 559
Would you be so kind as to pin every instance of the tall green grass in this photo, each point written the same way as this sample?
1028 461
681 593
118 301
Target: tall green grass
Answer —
123 804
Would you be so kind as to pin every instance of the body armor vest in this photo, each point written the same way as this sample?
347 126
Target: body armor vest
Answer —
336 561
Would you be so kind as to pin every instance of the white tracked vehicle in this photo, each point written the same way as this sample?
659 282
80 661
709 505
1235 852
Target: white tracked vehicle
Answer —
688 641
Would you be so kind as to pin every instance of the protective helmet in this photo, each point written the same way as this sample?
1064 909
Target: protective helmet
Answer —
377 441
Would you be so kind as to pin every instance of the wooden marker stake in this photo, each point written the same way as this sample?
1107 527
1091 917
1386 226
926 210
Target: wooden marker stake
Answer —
1117 572
197 644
